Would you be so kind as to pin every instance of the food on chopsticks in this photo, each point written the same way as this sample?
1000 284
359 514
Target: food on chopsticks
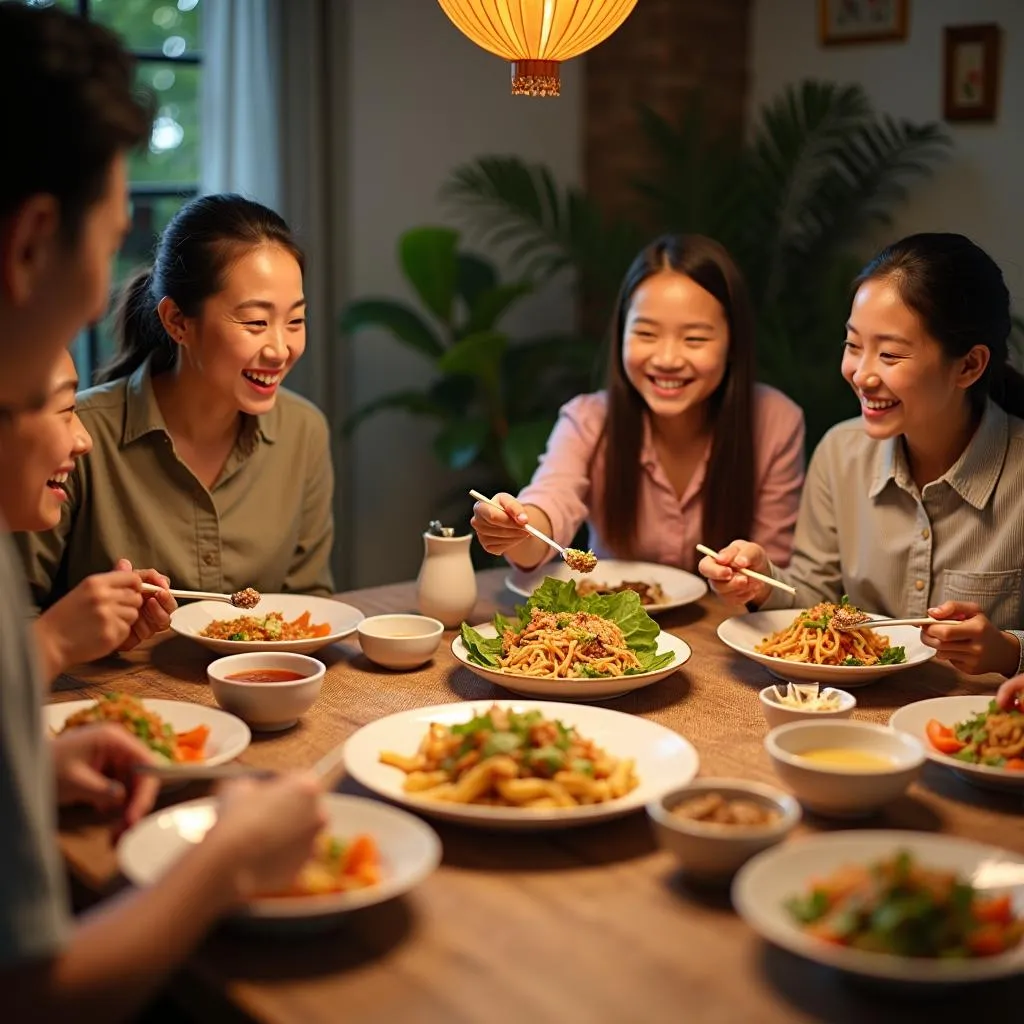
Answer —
269 627
247 598
992 737
649 593
715 809
580 561
559 635
900 907
145 725
806 697
513 759
337 865
813 638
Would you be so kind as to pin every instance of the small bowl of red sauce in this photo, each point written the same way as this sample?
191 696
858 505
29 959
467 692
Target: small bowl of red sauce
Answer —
269 691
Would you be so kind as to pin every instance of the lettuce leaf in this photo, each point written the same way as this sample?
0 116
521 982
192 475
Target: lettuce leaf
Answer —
624 609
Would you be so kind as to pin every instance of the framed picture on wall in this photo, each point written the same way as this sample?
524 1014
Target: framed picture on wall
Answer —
971 72
861 21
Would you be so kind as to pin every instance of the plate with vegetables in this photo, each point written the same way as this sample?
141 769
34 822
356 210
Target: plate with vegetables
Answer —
559 644
181 732
891 905
970 735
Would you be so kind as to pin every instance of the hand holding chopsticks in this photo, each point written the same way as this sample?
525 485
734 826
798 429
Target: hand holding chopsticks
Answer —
771 581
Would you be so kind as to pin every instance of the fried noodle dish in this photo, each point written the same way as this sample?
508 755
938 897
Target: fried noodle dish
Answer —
898 907
513 759
143 724
268 627
649 593
565 644
814 639
993 737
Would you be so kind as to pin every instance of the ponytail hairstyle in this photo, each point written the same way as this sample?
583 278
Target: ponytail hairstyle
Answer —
195 252
728 494
958 291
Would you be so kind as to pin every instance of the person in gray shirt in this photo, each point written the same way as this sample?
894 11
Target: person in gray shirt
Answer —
66 98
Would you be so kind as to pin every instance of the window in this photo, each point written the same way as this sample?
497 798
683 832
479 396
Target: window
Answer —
165 37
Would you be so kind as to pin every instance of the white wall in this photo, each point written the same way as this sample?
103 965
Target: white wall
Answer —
421 99
978 191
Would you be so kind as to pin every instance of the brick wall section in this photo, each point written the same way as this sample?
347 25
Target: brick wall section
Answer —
664 49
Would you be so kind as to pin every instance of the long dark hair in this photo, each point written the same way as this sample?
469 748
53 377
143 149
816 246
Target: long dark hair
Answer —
728 498
195 251
958 291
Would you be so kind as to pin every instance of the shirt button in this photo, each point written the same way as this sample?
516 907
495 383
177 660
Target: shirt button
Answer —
926 533
209 558
919 585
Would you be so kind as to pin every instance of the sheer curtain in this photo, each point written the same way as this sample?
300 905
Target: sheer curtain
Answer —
273 129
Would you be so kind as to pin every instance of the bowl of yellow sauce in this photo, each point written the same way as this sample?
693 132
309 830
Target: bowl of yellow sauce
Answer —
844 769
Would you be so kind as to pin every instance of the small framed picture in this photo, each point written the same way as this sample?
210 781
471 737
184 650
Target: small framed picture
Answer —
971 61
861 21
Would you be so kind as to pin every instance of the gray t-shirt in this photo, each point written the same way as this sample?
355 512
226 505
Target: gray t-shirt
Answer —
34 914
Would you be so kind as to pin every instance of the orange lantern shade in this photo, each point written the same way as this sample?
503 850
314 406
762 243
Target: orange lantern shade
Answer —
537 35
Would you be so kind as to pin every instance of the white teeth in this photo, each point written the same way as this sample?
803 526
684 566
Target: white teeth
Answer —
60 478
262 378
872 403
670 383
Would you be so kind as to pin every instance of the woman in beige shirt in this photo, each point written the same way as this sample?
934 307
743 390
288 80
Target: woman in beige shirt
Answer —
202 464
918 506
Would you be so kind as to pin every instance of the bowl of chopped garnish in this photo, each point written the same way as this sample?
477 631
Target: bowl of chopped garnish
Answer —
794 702
713 826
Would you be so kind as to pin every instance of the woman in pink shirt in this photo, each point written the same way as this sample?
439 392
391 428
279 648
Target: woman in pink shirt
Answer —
682 446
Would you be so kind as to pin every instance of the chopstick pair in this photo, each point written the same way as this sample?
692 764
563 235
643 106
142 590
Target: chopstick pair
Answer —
770 580
220 772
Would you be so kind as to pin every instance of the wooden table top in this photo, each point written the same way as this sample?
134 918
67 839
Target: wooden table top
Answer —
589 924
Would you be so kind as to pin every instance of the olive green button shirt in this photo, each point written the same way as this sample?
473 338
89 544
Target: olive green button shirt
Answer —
866 530
266 523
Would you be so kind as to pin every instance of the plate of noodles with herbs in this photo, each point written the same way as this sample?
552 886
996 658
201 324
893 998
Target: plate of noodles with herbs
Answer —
804 645
659 587
559 644
280 622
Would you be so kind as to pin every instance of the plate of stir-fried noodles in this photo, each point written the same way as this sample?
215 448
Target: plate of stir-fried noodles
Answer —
560 644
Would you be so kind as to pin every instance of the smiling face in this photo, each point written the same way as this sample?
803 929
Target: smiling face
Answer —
249 334
37 452
905 382
675 347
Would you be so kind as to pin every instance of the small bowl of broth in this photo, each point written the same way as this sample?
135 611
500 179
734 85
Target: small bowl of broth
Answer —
270 691
714 826
400 641
844 769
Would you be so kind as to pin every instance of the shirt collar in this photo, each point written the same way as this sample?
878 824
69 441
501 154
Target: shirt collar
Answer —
143 415
973 476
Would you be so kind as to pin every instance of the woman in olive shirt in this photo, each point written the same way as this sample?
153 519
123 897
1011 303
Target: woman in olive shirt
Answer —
202 464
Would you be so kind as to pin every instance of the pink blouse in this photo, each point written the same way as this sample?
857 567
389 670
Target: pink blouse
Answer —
569 479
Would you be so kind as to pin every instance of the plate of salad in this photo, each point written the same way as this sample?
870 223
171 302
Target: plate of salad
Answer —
970 735
559 644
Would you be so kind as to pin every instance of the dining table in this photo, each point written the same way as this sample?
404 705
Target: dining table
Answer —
588 924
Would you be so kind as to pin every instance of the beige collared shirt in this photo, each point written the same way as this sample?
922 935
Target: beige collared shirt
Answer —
866 530
266 523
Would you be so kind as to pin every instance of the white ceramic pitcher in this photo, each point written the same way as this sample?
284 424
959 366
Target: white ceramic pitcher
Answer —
446 585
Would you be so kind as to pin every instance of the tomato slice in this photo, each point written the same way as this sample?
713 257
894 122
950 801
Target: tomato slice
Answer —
942 738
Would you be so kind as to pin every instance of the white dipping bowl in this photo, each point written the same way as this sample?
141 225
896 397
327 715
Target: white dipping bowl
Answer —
267 707
779 714
714 853
837 791
400 641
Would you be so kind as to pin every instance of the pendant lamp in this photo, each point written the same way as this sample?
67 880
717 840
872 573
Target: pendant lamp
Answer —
536 36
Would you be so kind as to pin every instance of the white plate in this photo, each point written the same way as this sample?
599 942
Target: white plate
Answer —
229 735
664 760
410 850
764 883
743 632
190 619
574 689
914 718
680 587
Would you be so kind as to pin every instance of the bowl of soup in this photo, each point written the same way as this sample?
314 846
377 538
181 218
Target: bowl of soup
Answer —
713 826
269 691
844 769
400 641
